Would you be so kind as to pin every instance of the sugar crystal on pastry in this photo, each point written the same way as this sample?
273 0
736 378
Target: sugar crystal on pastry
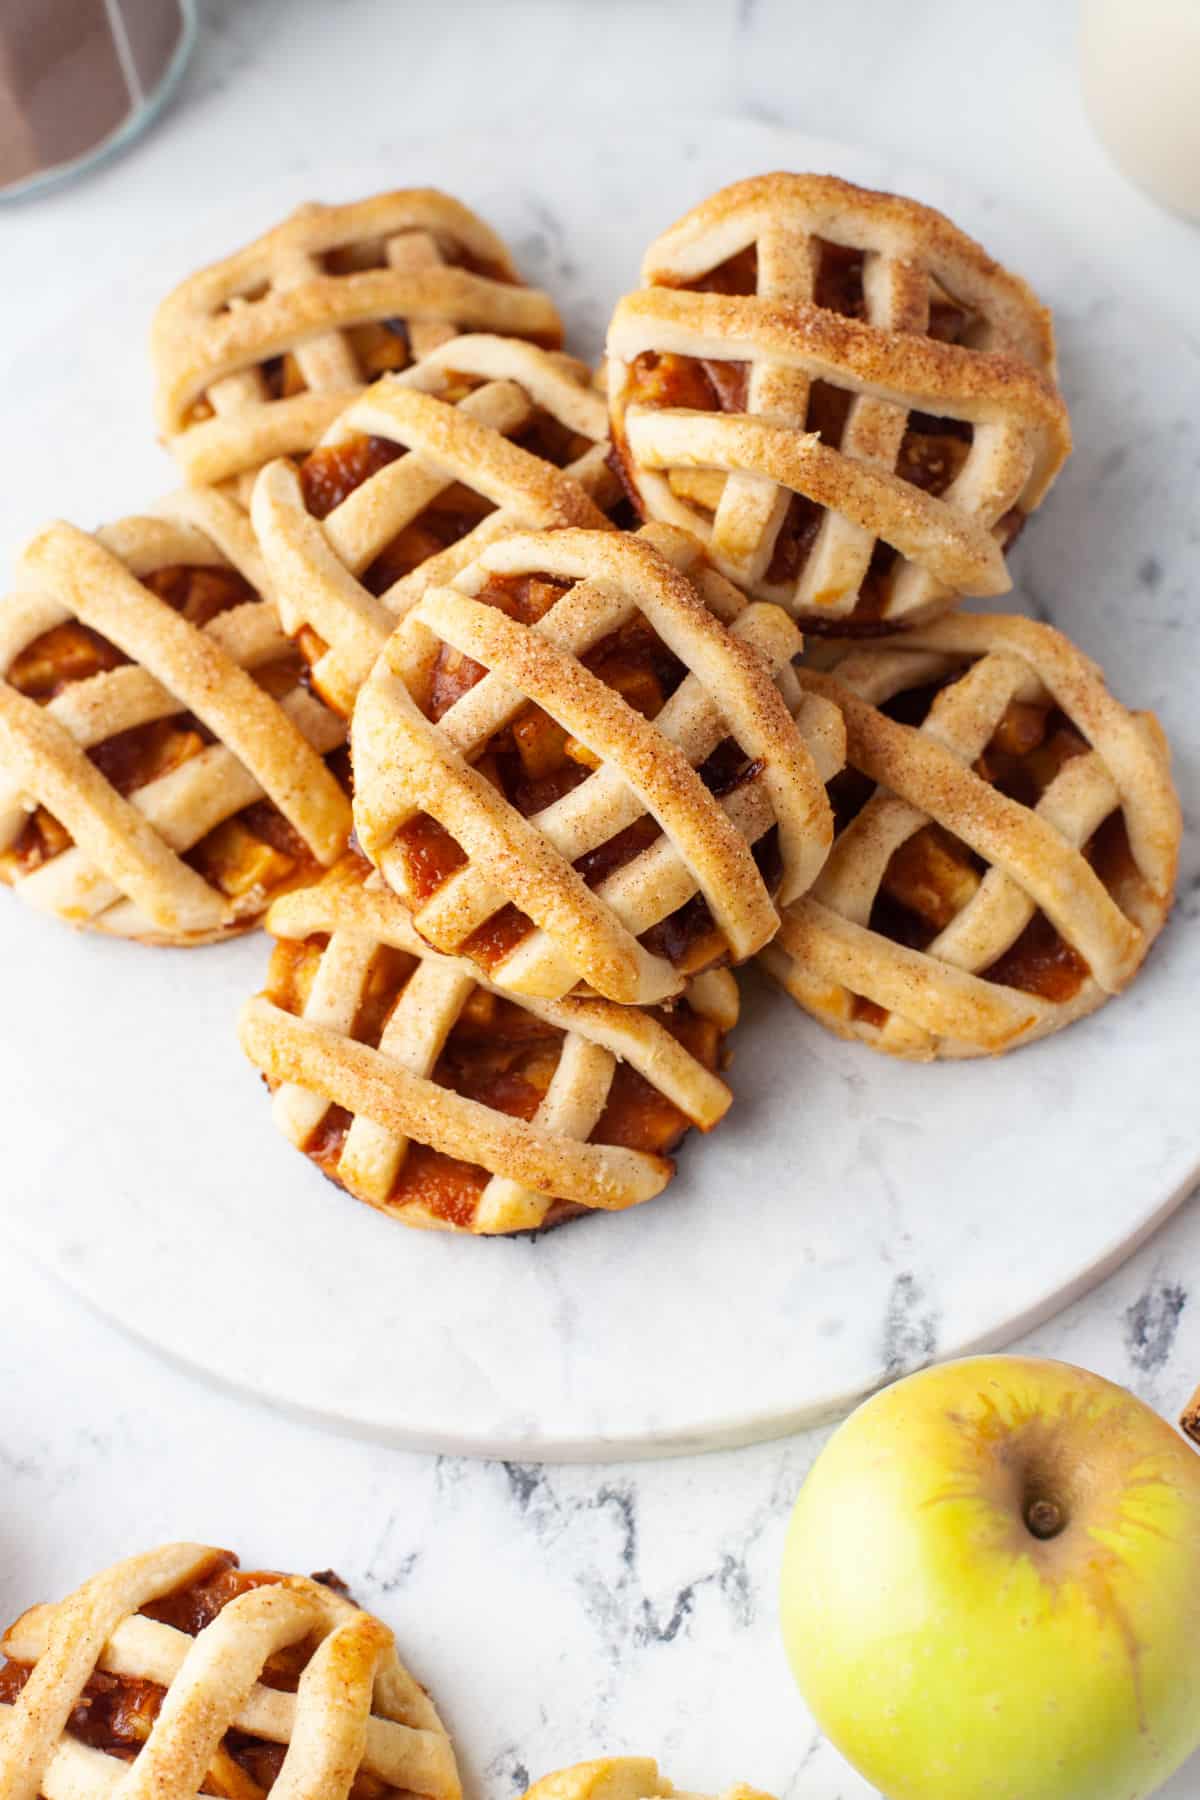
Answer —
255 355
484 436
577 765
1008 836
176 1672
849 401
163 768
426 1091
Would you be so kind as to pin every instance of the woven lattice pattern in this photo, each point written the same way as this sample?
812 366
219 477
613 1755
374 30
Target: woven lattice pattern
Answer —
428 1094
255 356
162 767
850 403
414 480
1003 864
654 697
348 1710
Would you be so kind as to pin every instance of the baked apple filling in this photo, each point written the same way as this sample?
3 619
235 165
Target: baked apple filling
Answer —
329 475
498 1054
534 762
384 346
332 472
932 451
380 346
116 1713
934 875
256 850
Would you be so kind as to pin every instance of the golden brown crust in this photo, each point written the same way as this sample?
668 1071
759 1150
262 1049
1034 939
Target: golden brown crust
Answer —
834 209
122 867
318 564
935 450
409 765
393 1097
277 297
901 367
356 1707
1028 832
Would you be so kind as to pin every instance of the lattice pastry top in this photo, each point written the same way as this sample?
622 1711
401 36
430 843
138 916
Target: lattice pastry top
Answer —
577 766
423 1090
850 402
622 1778
176 1672
255 356
1007 845
162 768
483 436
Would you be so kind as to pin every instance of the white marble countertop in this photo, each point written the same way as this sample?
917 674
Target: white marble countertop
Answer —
555 1613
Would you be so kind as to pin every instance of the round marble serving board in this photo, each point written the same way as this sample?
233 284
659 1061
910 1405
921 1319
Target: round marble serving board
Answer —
853 1217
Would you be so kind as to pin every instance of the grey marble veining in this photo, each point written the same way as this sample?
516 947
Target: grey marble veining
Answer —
555 1612
558 1612
895 1214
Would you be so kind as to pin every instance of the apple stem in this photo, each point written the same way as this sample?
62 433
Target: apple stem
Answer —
1189 1419
1044 1518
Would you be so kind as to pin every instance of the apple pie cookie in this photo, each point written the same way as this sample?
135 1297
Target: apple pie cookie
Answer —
577 765
176 1672
841 394
427 1092
484 436
623 1778
163 770
1007 843
255 356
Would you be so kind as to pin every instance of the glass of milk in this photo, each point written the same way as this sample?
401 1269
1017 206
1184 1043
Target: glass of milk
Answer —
1140 64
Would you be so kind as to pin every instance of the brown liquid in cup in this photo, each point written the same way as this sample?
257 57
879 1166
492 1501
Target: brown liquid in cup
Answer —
74 73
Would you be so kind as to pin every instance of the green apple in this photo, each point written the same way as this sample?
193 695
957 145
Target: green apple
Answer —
991 1588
